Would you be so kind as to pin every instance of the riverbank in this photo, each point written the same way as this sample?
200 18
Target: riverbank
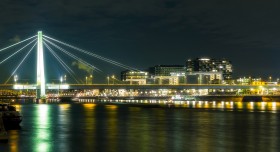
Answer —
227 98
247 98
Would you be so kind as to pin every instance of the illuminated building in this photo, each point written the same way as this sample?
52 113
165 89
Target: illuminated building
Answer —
210 65
181 76
168 74
172 80
134 77
166 70
204 77
245 81
258 81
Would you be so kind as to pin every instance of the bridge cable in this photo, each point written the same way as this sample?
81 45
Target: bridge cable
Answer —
21 62
98 72
57 57
64 65
94 55
72 55
17 51
17 43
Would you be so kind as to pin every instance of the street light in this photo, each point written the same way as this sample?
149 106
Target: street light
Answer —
61 80
250 80
65 78
91 77
113 77
15 79
86 79
108 78
270 78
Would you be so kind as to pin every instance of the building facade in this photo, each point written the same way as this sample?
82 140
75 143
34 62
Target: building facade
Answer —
168 74
204 77
135 77
210 65
167 70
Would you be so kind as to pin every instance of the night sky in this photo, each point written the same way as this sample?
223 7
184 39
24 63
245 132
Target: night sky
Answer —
144 33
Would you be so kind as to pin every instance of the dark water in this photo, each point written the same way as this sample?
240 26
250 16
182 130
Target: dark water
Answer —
91 127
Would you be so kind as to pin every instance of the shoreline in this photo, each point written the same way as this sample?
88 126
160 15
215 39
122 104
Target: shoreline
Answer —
233 98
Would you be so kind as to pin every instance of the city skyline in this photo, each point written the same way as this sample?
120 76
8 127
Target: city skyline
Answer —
87 71
157 32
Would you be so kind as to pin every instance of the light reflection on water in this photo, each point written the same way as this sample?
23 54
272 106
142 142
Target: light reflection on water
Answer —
42 141
194 126
224 105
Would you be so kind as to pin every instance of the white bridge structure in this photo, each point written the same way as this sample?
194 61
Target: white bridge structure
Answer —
50 43
41 78
41 85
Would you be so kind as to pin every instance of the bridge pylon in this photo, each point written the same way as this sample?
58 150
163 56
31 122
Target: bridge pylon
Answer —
41 81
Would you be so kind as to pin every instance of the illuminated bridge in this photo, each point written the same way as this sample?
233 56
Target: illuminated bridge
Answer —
128 86
42 88
52 45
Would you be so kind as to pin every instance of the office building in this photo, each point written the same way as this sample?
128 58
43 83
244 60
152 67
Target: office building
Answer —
134 77
210 65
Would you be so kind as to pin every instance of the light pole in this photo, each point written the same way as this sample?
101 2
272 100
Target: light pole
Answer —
270 78
86 79
250 80
65 77
113 77
61 80
91 79
108 78
15 79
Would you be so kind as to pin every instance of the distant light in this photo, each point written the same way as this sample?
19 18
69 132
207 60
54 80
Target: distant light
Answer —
204 59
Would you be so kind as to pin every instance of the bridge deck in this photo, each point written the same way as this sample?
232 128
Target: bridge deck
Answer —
128 86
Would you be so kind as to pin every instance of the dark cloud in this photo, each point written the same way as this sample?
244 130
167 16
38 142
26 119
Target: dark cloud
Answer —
148 32
83 67
15 39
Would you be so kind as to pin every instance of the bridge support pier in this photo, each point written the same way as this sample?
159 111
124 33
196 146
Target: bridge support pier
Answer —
41 82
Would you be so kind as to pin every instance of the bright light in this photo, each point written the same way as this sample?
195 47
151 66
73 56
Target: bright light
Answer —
42 131
15 78
47 38
40 66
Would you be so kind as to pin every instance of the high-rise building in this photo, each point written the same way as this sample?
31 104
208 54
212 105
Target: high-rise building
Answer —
167 70
210 65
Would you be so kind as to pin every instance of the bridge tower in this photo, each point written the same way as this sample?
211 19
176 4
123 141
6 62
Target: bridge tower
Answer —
41 82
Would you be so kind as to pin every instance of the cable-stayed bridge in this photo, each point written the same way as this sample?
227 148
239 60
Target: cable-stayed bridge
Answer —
53 46
59 50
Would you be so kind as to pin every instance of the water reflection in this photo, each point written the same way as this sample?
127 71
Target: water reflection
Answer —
89 125
13 142
63 125
230 105
193 126
42 141
223 105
